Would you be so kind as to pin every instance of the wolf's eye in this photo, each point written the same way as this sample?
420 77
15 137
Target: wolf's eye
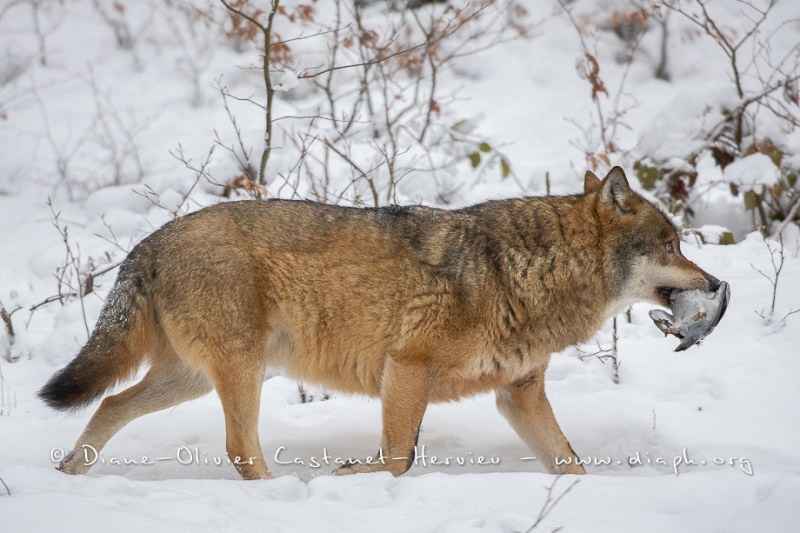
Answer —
670 247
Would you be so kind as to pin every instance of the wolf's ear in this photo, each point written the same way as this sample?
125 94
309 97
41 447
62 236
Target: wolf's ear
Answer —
591 183
615 188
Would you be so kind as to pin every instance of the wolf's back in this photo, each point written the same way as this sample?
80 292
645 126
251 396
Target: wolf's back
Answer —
121 338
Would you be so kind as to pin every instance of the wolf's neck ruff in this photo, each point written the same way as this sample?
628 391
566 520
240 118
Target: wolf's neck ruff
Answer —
535 259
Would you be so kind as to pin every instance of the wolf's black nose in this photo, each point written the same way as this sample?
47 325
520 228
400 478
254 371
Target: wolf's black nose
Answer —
713 283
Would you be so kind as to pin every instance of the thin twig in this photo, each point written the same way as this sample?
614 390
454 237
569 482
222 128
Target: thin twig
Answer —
777 268
789 217
5 316
550 502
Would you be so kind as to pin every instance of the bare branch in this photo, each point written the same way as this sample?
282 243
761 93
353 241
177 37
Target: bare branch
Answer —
777 258
5 316
789 216
266 33
551 502
708 24
362 174
380 58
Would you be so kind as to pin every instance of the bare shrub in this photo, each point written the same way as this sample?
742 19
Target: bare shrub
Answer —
383 115
765 85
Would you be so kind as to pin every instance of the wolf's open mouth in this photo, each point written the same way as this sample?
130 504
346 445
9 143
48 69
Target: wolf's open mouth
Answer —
664 292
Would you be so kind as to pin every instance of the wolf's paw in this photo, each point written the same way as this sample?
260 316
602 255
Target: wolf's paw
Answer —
352 467
395 467
575 469
72 465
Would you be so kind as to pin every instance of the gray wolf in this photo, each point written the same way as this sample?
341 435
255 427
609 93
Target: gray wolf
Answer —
409 304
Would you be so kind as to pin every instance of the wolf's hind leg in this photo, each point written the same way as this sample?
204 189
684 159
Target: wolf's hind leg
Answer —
525 406
405 390
168 382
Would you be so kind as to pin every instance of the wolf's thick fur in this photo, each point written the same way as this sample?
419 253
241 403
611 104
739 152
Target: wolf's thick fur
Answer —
411 304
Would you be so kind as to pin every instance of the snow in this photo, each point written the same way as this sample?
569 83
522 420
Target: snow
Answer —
287 81
755 169
712 233
673 135
730 405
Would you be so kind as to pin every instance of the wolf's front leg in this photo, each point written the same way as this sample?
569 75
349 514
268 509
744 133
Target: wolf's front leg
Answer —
405 390
525 406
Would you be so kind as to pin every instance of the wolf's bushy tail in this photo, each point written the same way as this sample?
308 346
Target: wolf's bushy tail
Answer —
123 335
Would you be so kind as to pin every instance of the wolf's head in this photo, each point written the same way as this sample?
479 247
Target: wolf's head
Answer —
641 247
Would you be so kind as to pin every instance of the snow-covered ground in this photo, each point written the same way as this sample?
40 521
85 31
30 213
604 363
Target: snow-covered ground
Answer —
702 440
